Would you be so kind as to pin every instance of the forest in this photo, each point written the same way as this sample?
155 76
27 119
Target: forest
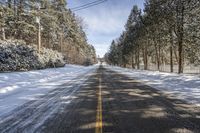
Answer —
44 31
164 36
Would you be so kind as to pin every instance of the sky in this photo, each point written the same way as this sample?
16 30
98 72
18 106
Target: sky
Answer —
104 22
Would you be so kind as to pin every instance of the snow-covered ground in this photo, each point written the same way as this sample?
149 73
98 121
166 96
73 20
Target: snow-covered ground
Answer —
183 86
16 88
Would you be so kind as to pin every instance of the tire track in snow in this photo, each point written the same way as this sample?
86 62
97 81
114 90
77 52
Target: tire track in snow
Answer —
33 114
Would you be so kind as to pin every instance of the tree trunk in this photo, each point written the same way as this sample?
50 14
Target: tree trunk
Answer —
180 63
171 51
124 65
39 38
157 56
132 60
124 61
145 58
9 4
180 21
19 11
175 54
15 5
159 52
138 57
3 33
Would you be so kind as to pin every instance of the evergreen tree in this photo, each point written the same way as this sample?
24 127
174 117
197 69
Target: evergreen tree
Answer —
166 33
57 26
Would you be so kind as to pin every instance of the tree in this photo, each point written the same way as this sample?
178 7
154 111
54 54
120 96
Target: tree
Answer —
59 28
166 33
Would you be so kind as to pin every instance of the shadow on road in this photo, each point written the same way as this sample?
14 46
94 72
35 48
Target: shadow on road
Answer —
128 107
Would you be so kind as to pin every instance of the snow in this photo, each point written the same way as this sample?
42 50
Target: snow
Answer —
182 86
17 88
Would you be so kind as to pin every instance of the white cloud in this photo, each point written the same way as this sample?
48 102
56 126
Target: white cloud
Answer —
104 26
105 22
101 49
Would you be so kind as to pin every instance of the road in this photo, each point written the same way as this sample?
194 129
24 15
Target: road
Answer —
107 102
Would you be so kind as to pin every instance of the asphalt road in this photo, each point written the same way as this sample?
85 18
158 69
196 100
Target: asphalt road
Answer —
107 102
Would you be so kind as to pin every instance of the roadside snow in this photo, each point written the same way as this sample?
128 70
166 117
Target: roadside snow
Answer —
183 86
16 88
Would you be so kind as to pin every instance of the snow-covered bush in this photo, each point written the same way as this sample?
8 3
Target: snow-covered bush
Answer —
17 56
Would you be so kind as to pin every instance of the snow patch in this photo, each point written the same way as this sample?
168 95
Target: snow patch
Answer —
17 88
182 86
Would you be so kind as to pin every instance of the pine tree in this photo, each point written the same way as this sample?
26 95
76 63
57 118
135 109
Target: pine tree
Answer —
59 28
167 33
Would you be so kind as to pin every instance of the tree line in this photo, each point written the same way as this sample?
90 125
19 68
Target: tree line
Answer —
49 22
165 32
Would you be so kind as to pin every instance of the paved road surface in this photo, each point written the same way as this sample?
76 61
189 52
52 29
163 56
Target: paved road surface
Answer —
107 102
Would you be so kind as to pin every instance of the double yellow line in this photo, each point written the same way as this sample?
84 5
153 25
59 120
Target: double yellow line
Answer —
99 123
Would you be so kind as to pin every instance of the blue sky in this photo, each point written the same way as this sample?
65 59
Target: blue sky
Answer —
104 22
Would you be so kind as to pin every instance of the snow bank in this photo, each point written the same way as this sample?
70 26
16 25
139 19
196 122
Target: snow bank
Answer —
17 56
17 88
183 86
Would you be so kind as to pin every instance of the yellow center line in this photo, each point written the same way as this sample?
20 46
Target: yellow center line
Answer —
99 123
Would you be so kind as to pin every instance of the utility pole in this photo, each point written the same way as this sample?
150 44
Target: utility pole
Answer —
39 33
38 18
39 29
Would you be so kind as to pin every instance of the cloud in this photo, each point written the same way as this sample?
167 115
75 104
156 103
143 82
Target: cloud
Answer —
105 22
101 49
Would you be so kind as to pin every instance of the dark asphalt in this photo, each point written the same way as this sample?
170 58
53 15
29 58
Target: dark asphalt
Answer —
128 106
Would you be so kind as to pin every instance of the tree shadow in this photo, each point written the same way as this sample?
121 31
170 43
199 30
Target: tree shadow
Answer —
128 107
131 106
